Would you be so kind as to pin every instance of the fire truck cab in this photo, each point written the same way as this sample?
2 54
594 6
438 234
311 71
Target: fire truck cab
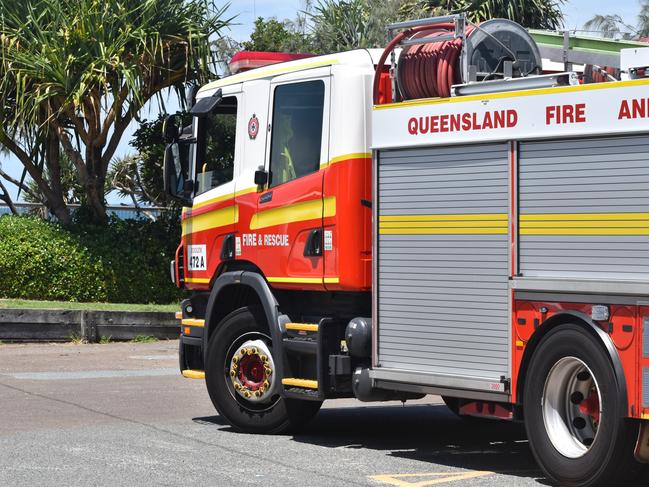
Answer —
446 216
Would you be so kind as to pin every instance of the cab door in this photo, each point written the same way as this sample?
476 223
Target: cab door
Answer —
290 211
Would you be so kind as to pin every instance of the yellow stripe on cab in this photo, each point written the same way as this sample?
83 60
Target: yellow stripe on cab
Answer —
296 212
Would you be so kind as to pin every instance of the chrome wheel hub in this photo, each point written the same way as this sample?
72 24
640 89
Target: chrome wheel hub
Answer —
571 407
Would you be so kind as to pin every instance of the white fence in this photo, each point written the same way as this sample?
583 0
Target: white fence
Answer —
122 212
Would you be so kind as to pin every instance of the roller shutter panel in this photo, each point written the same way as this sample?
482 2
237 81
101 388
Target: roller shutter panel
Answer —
443 260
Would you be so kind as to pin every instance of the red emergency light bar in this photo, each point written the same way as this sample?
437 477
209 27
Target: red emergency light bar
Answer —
247 60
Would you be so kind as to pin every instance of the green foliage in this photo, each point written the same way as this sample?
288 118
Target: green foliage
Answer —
341 25
142 175
275 36
71 190
76 72
613 26
127 261
77 339
537 14
105 340
144 339
92 306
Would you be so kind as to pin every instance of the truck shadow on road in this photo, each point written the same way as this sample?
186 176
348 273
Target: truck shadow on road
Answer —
428 434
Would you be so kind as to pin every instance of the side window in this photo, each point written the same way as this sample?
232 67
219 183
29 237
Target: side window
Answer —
297 131
217 136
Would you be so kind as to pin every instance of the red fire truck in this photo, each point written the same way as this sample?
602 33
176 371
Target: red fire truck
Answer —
458 214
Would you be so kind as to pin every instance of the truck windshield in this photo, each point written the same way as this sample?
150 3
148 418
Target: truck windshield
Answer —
215 155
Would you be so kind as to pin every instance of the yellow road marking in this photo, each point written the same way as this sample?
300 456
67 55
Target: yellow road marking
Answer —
297 212
401 480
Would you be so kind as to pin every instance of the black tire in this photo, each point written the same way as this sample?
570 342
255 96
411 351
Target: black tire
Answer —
280 414
607 459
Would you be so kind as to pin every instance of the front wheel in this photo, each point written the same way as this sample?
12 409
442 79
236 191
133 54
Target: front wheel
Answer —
241 377
574 413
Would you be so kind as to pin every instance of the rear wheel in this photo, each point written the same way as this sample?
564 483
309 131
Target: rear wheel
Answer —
574 412
241 377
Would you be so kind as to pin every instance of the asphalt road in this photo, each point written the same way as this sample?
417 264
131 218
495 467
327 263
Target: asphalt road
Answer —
120 415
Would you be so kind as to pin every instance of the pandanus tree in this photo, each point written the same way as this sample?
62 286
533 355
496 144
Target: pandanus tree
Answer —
75 73
338 25
538 14
615 26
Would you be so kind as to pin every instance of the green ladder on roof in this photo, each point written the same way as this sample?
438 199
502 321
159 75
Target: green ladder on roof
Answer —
565 48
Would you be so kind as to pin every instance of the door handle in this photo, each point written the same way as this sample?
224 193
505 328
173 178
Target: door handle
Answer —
227 250
313 247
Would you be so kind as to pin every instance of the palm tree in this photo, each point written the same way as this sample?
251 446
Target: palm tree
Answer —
614 26
610 26
74 73
537 14
340 25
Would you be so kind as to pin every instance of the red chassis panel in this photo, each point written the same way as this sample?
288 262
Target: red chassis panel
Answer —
624 327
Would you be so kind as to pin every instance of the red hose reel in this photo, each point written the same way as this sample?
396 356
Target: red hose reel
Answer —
429 70
441 52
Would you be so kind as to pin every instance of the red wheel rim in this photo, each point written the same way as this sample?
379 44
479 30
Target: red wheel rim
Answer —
251 372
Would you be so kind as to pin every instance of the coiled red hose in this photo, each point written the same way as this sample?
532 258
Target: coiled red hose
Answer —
425 70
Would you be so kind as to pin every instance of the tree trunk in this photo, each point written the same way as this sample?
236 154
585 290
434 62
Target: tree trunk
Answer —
7 199
60 210
53 163
95 202
54 201
57 205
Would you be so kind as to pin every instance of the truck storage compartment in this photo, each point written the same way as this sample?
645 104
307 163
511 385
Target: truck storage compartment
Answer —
583 208
442 285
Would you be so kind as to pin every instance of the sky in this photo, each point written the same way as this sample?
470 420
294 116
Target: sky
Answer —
576 13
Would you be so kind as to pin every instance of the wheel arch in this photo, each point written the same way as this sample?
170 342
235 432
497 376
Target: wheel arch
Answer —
233 290
585 321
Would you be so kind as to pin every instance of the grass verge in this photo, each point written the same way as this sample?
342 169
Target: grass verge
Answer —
34 304
144 339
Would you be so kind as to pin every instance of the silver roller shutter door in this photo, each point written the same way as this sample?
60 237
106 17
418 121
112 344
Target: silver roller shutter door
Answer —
442 290
583 207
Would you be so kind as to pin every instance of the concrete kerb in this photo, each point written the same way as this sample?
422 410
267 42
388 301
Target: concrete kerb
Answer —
31 325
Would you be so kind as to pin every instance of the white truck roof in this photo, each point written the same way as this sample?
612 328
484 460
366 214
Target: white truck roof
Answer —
358 57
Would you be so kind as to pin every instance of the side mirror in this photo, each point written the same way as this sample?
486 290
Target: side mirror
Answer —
176 173
261 177
170 130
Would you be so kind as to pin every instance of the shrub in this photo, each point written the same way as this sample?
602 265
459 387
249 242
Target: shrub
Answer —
127 261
